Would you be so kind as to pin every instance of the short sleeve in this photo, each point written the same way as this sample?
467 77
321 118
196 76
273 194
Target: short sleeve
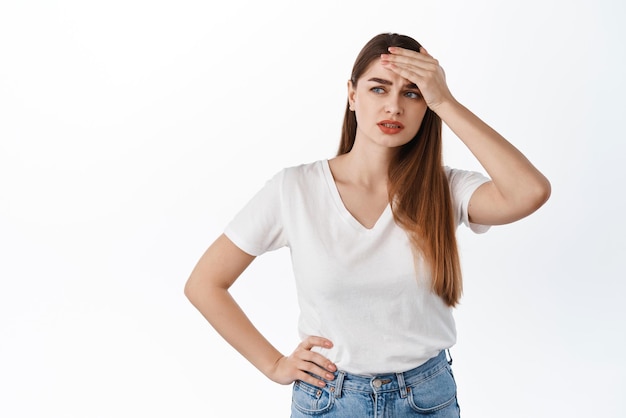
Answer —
462 185
258 227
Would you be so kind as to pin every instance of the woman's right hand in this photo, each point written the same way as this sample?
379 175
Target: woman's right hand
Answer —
303 361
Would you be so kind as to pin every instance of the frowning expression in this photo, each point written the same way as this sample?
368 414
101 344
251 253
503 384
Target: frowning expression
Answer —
389 108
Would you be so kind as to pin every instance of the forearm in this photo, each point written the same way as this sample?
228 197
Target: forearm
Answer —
509 169
517 181
517 187
229 320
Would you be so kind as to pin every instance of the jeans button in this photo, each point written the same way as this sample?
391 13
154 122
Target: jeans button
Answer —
377 383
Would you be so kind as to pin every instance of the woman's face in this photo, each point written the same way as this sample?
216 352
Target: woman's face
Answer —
389 108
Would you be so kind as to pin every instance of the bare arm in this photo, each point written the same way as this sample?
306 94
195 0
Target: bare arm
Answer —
207 289
517 188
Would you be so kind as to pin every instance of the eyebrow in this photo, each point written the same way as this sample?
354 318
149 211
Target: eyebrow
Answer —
389 83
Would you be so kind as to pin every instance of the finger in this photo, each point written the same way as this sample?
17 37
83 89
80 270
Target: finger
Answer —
408 52
396 50
315 341
410 63
413 73
315 369
421 64
423 51
311 380
407 55
317 359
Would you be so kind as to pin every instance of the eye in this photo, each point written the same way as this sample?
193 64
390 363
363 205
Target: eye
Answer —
377 90
413 95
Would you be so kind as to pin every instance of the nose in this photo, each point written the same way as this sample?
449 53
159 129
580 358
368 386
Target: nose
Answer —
393 105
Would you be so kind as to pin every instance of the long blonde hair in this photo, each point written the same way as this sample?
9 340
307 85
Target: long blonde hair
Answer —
418 187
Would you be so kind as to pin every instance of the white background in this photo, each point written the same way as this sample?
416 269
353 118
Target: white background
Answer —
132 131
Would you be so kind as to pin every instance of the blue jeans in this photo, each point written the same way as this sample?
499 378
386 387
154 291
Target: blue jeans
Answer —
426 391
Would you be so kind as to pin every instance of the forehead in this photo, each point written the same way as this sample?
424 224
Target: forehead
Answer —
376 70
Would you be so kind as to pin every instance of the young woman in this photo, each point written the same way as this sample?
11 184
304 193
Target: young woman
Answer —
372 239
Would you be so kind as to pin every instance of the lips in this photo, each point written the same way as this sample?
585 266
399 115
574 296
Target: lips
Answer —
390 127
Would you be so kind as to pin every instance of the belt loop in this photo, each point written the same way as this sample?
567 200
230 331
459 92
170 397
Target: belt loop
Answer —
339 384
401 385
449 357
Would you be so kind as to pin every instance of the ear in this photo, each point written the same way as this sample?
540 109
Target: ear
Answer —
351 95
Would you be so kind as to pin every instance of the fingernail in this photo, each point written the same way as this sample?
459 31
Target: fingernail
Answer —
321 383
332 367
330 376
384 56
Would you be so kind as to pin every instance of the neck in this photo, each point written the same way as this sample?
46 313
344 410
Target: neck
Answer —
368 166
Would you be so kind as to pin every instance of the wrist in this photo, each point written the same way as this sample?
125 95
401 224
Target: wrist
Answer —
270 369
446 107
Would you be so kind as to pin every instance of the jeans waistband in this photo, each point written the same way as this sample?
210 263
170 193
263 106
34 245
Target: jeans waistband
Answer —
388 382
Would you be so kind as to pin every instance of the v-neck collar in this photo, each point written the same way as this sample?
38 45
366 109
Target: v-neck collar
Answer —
341 207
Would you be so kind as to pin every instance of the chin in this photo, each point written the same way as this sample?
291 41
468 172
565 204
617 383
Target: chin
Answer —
395 142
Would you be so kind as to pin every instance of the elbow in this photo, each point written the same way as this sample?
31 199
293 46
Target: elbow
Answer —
191 289
542 193
537 195
527 201
199 291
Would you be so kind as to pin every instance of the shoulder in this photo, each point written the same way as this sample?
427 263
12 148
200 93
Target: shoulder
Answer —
296 171
305 169
301 176
303 173
456 176
463 183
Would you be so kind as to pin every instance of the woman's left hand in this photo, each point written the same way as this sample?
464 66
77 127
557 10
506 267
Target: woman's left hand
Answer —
423 70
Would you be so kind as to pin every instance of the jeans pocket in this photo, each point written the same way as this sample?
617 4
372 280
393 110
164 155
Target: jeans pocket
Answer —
311 400
434 393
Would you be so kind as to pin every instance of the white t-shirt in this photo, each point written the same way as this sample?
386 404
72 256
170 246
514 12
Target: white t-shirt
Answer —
357 287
